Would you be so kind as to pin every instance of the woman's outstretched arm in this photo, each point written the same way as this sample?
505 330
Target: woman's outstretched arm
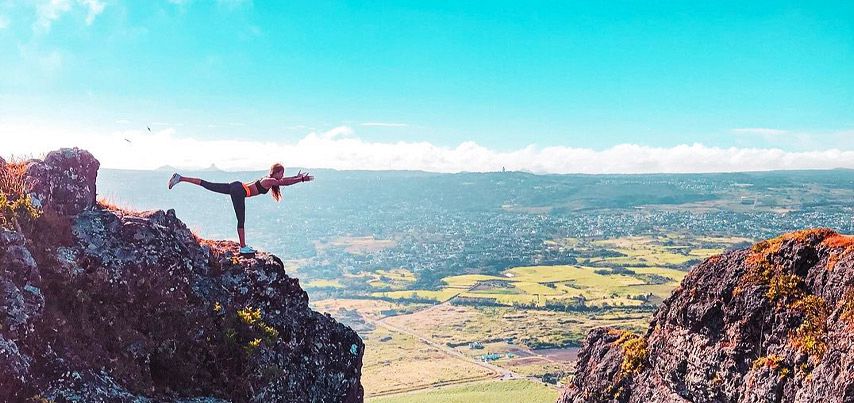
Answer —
287 181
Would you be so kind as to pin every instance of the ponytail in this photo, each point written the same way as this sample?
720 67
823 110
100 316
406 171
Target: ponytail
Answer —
276 191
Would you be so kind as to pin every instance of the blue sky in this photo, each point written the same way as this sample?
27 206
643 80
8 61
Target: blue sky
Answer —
503 75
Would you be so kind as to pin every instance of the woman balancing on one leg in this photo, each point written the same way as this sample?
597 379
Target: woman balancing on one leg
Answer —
240 191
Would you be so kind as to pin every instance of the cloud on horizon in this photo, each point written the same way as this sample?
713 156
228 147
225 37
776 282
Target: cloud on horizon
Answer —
340 148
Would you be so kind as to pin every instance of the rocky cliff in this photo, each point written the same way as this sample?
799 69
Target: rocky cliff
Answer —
774 323
103 304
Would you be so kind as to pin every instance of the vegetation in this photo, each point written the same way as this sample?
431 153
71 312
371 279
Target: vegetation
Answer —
634 352
772 362
842 245
848 307
549 287
538 314
497 391
785 286
246 328
12 178
629 272
16 207
810 335
396 362
787 289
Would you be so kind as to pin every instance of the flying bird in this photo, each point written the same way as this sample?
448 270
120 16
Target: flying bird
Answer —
149 129
127 140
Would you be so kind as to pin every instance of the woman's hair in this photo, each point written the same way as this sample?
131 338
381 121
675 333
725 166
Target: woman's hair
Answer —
277 193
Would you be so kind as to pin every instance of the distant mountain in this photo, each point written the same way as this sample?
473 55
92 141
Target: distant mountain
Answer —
773 323
170 168
212 168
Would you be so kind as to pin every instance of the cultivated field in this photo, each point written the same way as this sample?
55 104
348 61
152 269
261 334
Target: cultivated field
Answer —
486 392
503 334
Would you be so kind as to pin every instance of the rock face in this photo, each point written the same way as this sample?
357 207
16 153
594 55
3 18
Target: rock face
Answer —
65 181
100 304
774 323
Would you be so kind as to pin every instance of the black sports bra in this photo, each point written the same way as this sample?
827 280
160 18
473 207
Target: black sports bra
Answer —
261 189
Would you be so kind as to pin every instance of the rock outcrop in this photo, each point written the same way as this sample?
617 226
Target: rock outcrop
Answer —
774 323
64 181
102 304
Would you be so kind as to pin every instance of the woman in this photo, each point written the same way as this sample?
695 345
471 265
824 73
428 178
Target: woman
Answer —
240 191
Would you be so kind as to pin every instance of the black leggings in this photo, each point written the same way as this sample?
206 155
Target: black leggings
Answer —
238 197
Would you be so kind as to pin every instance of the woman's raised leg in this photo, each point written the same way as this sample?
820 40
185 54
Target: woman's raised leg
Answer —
223 188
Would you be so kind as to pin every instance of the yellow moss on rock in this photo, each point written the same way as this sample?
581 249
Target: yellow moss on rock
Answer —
762 250
810 336
838 241
842 245
634 355
249 316
635 351
787 291
771 361
848 308
784 286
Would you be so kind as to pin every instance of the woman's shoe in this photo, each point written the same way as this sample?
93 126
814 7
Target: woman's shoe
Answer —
174 180
247 250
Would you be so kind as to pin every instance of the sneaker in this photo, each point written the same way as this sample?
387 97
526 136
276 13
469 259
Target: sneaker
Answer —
247 250
174 180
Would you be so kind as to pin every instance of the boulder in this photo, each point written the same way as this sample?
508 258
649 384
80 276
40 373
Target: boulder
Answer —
64 181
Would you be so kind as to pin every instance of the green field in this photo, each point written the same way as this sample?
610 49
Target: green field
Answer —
495 391
619 272
536 285
532 316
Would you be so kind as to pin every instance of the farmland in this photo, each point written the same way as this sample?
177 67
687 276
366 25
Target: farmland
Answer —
522 324
502 391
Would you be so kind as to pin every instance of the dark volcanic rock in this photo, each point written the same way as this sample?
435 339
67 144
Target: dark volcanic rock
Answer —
771 324
107 305
64 181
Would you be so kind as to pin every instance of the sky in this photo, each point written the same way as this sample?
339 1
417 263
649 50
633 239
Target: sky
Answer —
551 87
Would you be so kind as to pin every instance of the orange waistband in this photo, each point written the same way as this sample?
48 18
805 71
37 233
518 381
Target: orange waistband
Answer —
246 188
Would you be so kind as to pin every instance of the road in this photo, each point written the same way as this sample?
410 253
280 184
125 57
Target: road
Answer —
499 372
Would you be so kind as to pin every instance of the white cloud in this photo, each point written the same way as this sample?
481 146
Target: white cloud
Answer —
763 131
384 124
49 11
4 22
339 132
339 148
95 7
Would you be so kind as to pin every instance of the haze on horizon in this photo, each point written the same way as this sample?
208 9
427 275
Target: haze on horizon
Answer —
545 87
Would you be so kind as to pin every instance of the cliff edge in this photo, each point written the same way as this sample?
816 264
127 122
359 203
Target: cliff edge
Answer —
103 304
